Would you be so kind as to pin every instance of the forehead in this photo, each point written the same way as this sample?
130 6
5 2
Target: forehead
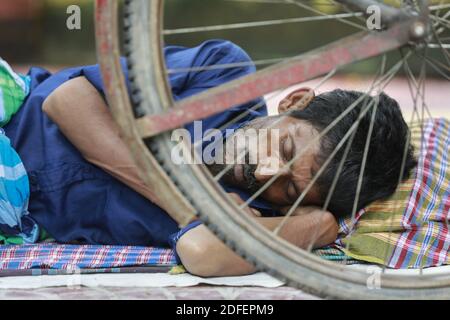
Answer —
298 128
275 121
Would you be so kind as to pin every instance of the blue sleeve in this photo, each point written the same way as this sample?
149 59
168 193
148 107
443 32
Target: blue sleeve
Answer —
173 239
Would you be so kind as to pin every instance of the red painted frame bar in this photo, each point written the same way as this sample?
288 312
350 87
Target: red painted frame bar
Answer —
165 193
302 68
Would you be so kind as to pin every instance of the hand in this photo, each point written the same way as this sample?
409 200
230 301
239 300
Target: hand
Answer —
249 211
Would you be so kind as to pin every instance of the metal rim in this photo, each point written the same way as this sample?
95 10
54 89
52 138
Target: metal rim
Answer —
349 282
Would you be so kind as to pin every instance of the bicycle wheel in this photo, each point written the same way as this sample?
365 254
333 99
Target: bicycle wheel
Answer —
153 103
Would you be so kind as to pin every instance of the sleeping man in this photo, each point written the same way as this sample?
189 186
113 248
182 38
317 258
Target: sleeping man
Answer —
84 186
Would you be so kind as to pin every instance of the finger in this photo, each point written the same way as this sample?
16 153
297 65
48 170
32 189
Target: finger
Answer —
256 213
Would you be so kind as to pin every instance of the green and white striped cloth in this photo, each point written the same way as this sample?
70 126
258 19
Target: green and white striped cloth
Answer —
14 88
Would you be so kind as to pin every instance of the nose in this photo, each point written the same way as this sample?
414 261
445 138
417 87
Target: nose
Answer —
269 167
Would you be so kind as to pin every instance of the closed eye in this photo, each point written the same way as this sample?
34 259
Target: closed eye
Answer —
291 191
287 149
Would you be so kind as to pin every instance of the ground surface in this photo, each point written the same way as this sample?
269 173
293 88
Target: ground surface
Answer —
187 293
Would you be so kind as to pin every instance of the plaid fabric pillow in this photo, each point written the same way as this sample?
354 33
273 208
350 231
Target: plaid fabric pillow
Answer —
411 228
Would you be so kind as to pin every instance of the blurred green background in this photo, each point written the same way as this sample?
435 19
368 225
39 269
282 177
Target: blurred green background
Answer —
36 33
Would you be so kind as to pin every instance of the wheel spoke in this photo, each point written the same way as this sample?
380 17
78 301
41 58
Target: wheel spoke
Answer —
412 82
361 174
233 121
435 62
257 243
436 68
441 46
266 23
348 10
342 161
418 87
325 3
309 8
397 204
441 21
439 6
438 46
322 169
388 76
384 81
229 65
304 67
243 154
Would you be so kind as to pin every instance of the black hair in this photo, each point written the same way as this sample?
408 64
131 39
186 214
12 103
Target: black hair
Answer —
384 161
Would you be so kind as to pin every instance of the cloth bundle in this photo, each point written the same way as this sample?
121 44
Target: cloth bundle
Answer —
15 225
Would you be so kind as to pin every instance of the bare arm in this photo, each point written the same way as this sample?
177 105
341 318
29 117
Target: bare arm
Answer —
83 116
202 253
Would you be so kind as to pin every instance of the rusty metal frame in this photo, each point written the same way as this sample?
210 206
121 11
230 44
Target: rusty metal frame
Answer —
170 198
117 95
302 68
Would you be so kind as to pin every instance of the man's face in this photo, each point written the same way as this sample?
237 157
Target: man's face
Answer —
280 139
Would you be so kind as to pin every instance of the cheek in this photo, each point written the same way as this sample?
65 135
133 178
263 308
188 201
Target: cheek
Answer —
275 194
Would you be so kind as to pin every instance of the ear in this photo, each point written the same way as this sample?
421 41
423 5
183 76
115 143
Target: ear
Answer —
296 100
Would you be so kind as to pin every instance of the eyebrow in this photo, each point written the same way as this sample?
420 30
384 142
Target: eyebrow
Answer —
294 150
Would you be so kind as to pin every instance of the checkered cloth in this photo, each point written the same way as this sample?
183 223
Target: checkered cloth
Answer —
71 257
418 213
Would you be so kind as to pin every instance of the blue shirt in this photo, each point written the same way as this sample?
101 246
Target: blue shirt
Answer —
75 201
